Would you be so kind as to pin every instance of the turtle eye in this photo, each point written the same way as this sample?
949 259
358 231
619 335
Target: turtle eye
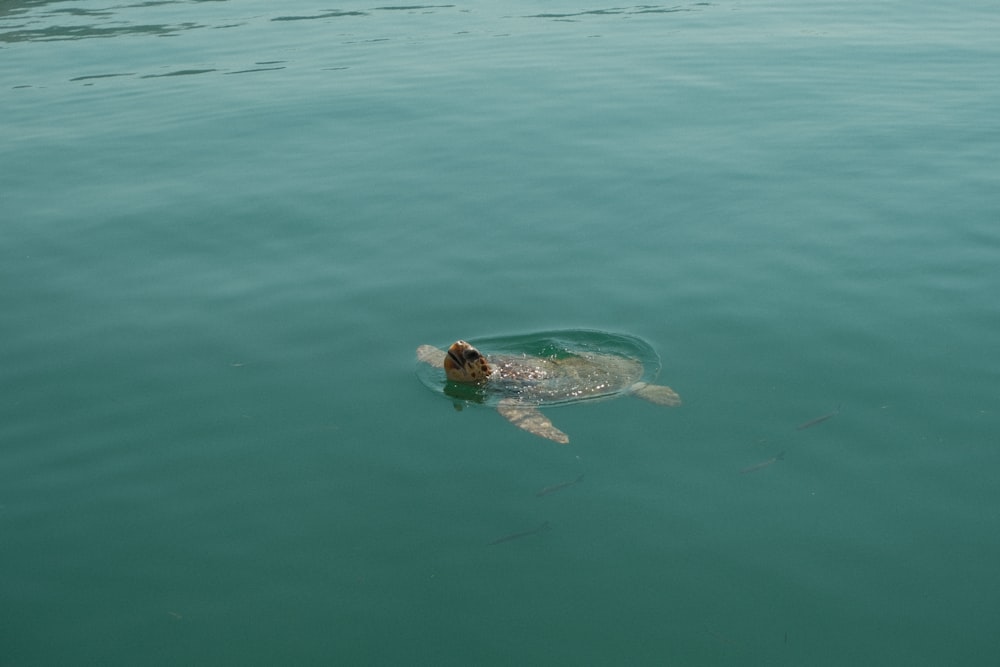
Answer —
472 355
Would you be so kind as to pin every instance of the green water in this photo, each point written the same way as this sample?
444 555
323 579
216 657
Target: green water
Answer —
227 226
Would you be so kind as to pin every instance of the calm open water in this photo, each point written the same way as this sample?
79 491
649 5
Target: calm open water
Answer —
227 225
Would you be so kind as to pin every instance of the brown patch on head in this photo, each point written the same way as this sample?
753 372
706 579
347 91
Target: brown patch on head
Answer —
464 363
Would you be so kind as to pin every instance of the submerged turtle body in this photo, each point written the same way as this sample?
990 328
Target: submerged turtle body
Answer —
519 383
553 380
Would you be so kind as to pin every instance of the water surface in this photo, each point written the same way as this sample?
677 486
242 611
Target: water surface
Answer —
228 225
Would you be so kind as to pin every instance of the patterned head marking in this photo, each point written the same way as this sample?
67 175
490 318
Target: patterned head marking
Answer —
464 363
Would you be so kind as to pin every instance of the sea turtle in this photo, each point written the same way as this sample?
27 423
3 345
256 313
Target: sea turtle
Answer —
519 383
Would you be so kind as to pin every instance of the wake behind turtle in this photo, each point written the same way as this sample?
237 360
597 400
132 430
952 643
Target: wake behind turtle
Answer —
548 369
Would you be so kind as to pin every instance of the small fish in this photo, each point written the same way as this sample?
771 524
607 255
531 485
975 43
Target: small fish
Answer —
523 533
818 420
763 464
558 487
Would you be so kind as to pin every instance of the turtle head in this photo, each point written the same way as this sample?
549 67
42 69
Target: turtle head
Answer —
464 363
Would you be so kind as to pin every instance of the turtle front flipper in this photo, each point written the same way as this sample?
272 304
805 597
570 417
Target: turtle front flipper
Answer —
527 417
658 394
430 355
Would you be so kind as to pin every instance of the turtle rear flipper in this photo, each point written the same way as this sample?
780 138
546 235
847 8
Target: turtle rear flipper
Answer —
658 394
527 417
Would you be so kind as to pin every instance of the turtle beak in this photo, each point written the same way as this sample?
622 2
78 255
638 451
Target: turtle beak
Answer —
454 363
455 354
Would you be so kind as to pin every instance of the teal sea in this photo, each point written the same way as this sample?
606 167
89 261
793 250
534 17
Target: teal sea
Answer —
226 227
